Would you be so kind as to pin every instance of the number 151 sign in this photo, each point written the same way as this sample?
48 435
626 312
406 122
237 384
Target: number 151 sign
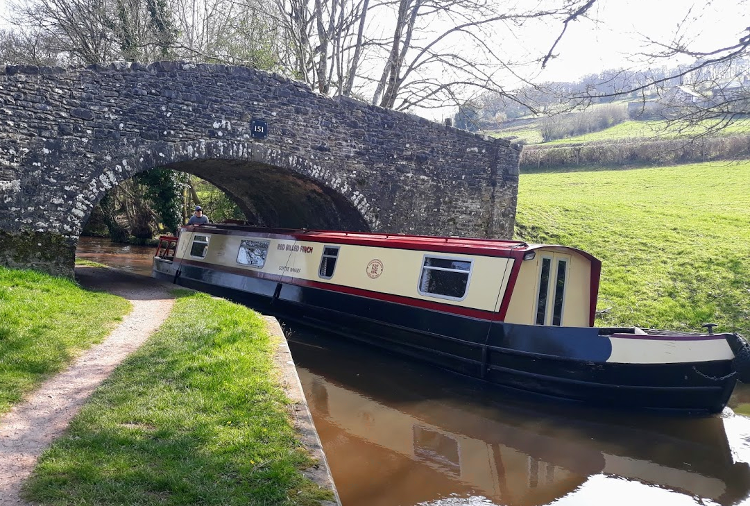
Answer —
258 129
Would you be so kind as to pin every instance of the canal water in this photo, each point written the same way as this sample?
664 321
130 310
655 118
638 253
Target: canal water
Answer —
399 433
127 257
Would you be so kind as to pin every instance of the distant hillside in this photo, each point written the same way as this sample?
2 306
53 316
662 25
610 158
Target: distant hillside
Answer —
598 101
529 131
629 143
561 126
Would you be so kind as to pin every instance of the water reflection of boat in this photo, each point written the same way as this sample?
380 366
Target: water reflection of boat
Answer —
431 438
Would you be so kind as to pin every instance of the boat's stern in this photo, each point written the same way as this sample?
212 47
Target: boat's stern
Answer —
163 263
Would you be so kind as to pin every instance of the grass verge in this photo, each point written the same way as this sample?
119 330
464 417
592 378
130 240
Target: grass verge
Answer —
45 323
196 416
674 241
90 263
531 132
644 130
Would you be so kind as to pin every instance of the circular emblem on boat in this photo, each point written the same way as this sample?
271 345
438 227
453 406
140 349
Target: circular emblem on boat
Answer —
375 268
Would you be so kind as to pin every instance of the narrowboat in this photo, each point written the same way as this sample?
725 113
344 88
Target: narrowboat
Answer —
515 314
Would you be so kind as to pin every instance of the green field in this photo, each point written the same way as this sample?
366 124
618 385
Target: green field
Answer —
45 323
627 130
644 130
674 241
525 134
196 416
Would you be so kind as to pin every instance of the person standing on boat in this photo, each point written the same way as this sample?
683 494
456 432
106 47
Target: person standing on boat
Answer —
198 218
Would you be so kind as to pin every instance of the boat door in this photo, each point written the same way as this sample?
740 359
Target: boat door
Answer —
551 284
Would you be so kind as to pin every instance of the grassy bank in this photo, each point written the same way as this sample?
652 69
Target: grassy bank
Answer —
45 323
644 130
531 132
674 241
194 417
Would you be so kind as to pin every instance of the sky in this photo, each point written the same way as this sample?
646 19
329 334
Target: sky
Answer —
589 47
3 12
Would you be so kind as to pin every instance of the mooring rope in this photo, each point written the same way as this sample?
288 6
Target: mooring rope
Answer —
715 378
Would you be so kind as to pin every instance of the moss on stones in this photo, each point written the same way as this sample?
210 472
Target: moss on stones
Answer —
42 251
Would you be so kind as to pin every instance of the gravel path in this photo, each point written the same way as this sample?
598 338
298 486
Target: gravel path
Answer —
29 428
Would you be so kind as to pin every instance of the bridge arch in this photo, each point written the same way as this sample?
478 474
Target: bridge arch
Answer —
272 188
68 135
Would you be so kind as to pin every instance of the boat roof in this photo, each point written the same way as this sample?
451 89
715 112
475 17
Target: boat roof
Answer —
452 244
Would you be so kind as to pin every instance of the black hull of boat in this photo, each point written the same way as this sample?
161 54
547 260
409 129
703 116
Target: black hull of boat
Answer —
514 356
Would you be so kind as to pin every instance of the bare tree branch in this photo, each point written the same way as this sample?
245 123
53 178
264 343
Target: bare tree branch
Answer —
581 11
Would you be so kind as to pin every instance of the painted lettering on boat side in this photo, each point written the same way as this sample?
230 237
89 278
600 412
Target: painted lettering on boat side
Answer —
294 247
286 268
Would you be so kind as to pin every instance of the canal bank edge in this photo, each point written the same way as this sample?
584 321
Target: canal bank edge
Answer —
299 410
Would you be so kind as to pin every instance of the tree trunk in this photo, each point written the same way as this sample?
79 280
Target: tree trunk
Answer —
347 91
395 80
394 54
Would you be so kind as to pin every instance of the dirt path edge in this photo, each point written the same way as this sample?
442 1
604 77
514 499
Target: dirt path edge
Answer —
30 427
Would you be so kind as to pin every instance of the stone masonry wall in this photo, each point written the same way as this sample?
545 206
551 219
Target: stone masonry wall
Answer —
68 135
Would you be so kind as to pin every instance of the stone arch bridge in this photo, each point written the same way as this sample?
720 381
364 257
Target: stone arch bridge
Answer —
288 156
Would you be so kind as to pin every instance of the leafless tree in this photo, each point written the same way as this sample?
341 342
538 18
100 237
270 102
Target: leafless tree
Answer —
240 32
96 31
324 37
27 48
77 30
411 53
399 54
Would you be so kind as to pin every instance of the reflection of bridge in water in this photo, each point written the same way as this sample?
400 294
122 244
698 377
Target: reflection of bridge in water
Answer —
397 433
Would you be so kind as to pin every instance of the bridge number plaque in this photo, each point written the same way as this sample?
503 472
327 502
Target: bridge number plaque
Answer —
259 129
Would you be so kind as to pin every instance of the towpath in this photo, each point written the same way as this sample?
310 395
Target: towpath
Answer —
29 428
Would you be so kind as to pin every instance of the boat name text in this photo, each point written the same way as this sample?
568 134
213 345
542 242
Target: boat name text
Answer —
294 247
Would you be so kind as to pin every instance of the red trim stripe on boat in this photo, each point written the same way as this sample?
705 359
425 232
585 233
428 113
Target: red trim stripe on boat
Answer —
464 246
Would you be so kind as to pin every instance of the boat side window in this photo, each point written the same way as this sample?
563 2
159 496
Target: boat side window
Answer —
562 267
445 278
253 253
328 262
199 247
541 301
437 448
551 295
